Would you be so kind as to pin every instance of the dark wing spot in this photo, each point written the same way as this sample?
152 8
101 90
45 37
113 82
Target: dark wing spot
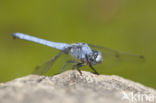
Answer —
142 57
117 55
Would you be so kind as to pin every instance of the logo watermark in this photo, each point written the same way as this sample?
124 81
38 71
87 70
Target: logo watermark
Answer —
137 97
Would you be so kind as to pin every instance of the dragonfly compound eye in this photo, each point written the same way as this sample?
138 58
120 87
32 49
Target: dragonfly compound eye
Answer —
99 58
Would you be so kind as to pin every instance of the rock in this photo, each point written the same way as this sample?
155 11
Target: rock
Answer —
71 87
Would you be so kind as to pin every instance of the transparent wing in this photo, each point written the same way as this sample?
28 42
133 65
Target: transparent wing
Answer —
61 62
67 63
108 53
43 68
113 59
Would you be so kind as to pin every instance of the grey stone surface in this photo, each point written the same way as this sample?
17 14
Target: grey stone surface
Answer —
71 87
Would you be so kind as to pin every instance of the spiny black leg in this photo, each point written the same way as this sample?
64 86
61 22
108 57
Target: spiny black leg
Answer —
93 69
95 72
77 67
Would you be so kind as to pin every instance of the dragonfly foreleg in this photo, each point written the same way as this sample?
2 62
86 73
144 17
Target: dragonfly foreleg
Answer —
95 72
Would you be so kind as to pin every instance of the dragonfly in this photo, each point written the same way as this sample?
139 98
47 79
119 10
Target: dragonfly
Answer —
82 53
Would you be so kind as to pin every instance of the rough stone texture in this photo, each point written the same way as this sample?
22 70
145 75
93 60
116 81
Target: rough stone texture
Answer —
71 87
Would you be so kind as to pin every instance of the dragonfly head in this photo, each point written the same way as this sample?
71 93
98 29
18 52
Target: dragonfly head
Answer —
95 58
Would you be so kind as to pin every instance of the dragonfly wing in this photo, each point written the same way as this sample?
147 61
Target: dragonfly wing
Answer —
68 63
116 55
43 68
114 58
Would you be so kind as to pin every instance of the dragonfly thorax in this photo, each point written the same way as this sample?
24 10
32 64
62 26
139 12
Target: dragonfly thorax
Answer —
84 53
79 51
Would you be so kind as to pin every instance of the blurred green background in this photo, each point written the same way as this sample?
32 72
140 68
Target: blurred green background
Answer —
127 25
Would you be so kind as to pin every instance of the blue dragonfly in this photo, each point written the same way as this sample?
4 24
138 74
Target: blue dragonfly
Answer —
82 54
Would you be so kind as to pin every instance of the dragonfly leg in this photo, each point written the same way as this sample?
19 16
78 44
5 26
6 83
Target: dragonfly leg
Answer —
95 72
67 62
77 66
90 65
